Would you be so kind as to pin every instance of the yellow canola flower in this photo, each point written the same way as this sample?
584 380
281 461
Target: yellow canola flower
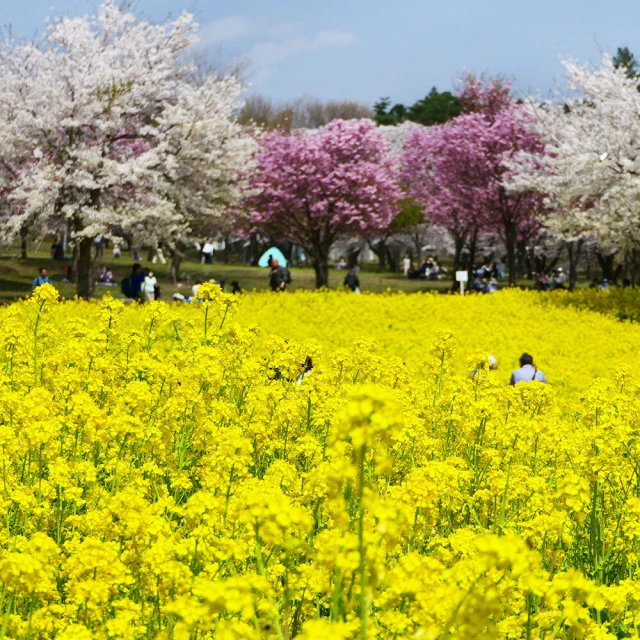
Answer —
318 465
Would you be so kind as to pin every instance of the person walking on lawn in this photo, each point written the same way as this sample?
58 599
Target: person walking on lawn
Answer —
149 286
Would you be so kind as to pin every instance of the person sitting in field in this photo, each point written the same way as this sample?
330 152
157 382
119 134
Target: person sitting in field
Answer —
308 368
542 281
527 372
493 365
435 270
484 271
431 269
105 276
479 285
413 273
341 264
559 278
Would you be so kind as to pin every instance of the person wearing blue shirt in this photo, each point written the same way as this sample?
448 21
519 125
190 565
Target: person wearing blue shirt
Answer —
43 278
137 278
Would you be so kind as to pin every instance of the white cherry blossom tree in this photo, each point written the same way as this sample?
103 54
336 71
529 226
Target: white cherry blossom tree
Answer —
104 128
590 167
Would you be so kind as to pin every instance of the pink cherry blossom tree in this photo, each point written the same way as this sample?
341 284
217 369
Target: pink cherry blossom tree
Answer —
484 95
457 171
313 187
440 174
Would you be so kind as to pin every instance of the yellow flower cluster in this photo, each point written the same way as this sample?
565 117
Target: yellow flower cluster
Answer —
569 343
622 303
168 472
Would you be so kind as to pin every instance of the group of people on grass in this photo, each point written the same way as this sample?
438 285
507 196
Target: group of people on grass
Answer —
485 279
141 285
106 277
555 279
280 277
428 270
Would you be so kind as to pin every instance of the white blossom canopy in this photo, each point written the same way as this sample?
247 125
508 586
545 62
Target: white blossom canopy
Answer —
103 125
590 169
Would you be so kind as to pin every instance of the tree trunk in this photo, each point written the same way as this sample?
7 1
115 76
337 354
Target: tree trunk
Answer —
227 250
635 268
418 243
555 260
574 250
23 249
457 259
251 252
380 250
510 245
176 261
473 242
631 268
530 263
151 252
606 264
616 273
352 257
521 259
85 269
74 263
393 260
321 267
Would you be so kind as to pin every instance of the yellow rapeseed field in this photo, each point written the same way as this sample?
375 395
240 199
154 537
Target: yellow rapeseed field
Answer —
168 473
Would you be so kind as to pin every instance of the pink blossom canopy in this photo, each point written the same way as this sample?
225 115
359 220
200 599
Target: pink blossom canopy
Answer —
311 187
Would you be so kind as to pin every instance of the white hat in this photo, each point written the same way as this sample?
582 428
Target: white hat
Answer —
493 363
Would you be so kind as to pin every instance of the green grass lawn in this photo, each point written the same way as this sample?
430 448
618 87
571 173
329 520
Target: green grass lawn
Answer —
16 277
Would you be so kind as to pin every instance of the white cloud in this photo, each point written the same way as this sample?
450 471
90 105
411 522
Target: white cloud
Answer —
280 39
231 28
281 30
269 53
335 39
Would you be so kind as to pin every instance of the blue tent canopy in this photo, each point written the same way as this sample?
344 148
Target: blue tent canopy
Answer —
274 253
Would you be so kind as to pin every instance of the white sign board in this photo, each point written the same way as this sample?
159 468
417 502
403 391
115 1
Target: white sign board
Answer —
462 276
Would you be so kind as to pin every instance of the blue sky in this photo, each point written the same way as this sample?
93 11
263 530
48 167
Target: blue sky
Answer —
365 49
